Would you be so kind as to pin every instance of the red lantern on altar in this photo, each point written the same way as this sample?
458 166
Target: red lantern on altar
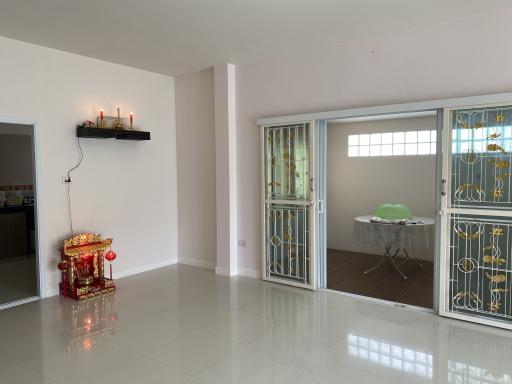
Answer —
63 266
110 256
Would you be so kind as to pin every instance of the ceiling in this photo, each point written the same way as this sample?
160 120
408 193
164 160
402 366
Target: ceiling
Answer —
174 37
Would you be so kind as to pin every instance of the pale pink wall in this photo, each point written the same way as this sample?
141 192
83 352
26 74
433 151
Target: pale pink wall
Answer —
195 133
465 57
123 189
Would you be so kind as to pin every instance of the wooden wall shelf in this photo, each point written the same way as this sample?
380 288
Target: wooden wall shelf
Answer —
107 133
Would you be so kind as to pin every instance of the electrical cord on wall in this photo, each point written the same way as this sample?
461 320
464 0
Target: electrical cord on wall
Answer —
67 180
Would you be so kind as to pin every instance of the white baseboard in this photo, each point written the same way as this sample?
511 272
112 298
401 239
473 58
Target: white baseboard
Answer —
127 272
249 272
51 292
196 263
224 272
246 272
144 268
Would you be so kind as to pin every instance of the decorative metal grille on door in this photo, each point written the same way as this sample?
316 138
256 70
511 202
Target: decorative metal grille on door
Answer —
287 242
479 222
481 266
287 203
287 165
481 158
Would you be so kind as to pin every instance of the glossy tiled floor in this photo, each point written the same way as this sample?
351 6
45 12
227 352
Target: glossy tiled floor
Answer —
185 325
18 278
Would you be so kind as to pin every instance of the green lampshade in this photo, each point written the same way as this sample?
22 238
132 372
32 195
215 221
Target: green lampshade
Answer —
390 211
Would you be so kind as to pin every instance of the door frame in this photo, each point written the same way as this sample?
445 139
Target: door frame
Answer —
437 229
40 270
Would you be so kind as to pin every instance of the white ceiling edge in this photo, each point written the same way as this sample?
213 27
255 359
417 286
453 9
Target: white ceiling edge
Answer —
419 106
390 116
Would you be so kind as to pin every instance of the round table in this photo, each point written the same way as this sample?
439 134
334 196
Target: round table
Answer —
395 237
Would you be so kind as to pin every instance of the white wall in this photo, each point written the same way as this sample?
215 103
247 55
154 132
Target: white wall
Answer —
195 134
124 189
358 185
464 57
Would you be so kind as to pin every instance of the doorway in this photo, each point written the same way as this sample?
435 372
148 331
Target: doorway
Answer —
380 179
18 238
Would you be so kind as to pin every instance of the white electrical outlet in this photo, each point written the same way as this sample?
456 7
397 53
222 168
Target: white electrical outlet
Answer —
242 243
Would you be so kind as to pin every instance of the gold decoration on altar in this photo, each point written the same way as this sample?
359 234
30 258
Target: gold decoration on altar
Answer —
500 118
88 248
494 135
82 239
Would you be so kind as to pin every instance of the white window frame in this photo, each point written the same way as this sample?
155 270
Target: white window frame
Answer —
391 144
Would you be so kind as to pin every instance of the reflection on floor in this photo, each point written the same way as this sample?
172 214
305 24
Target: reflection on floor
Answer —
185 325
18 278
345 273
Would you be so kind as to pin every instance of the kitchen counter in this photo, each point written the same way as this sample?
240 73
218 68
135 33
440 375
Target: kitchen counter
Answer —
17 230
17 208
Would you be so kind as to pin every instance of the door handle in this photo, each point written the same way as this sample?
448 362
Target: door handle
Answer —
443 187
311 185
320 207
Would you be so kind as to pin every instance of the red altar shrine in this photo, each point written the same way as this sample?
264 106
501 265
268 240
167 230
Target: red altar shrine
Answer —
82 267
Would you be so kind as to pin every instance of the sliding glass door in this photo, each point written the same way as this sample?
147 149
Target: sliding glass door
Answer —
289 204
476 268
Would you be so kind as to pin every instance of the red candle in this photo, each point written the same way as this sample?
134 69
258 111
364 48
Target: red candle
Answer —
101 116
131 120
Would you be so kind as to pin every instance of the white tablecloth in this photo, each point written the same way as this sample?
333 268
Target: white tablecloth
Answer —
409 236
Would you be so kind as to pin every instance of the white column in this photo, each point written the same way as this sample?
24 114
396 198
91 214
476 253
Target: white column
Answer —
225 157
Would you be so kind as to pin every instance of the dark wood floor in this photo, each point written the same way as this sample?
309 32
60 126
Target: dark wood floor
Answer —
345 274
